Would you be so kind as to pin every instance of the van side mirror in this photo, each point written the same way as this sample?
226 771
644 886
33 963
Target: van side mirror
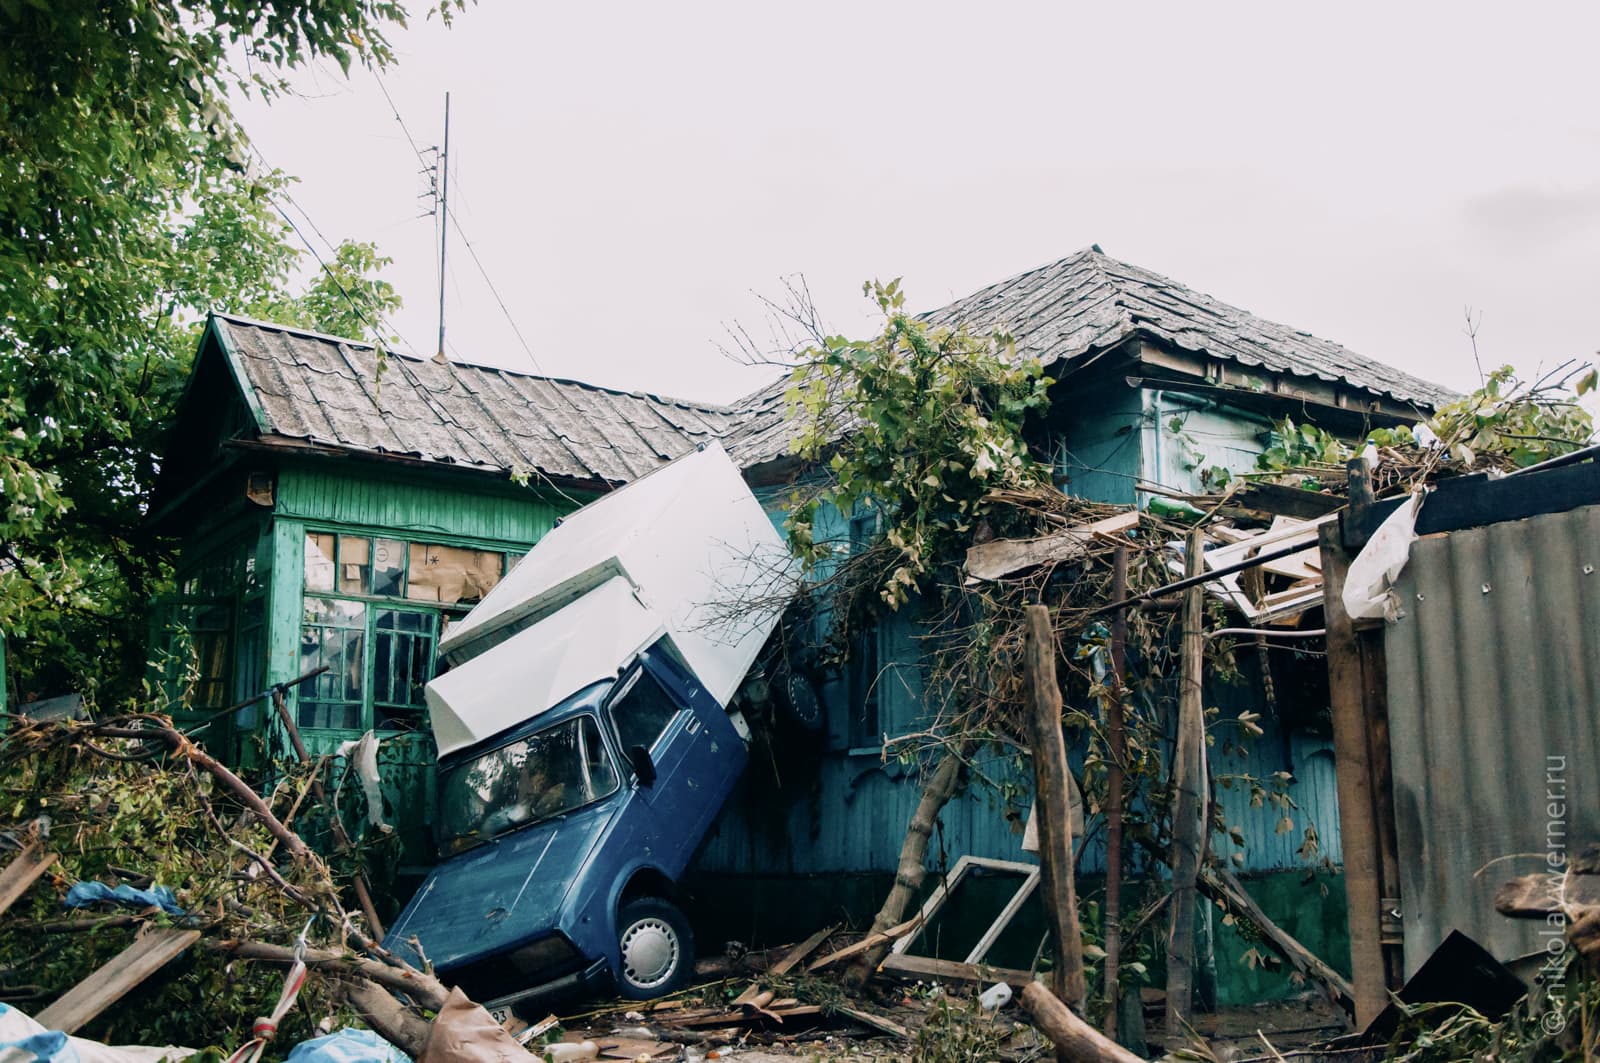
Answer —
643 766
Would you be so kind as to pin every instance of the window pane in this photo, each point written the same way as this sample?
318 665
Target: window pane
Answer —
388 567
334 634
451 574
319 561
402 647
642 712
355 565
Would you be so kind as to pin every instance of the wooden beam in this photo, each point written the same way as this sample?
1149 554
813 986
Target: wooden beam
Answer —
928 967
1117 755
1053 806
23 871
801 951
876 1022
150 951
1358 829
871 940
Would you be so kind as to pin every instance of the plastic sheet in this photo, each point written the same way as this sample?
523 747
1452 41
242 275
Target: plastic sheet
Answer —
87 894
348 1045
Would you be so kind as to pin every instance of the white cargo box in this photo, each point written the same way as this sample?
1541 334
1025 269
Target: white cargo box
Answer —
686 550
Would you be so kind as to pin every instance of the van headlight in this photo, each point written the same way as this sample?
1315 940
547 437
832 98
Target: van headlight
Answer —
543 954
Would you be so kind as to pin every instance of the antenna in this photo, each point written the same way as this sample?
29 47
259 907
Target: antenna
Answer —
444 220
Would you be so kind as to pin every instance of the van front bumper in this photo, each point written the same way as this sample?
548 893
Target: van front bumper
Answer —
593 980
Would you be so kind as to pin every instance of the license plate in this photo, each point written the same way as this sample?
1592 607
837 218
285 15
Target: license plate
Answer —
501 1015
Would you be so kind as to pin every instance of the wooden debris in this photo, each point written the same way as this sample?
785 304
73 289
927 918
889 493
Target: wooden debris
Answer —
1074 1039
870 941
24 869
801 951
1000 558
949 970
876 1022
150 951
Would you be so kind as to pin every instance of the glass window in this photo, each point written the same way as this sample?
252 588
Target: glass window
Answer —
319 561
388 567
333 633
642 711
554 771
451 574
402 649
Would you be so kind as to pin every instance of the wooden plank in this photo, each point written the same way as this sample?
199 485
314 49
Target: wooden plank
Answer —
149 952
876 1022
801 951
1189 788
1288 501
892 934
23 871
924 966
1003 557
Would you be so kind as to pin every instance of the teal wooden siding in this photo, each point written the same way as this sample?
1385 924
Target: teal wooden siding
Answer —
1097 443
1185 437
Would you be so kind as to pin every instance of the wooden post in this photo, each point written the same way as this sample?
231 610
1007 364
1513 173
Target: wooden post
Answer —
1053 807
1117 755
1188 799
1358 819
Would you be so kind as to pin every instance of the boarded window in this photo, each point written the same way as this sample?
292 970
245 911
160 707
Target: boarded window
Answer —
452 574
319 561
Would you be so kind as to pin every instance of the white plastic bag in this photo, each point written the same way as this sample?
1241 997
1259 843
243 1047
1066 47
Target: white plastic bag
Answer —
1369 585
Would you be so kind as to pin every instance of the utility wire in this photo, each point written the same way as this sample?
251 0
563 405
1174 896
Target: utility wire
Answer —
496 293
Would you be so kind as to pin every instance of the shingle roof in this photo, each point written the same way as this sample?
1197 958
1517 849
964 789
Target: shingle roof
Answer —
326 390
1089 302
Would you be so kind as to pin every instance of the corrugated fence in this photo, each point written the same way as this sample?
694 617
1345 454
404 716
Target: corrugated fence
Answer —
1494 709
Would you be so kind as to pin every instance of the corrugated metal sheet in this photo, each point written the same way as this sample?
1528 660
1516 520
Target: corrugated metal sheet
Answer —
1494 717
328 391
1090 302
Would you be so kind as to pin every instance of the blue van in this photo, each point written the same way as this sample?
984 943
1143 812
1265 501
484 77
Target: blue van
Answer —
564 836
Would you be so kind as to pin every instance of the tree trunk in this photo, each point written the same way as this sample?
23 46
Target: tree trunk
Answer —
1053 807
1188 791
389 1019
1074 1039
936 792
1116 755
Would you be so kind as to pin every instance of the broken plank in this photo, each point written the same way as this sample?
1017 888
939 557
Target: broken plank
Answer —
999 558
925 966
870 941
149 952
739 1018
801 951
23 871
876 1022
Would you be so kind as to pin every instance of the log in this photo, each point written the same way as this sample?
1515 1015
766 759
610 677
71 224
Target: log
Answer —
936 792
1074 1039
1188 788
1053 806
389 1019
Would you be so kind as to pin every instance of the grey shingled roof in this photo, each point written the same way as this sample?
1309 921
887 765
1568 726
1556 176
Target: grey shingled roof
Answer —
325 390
1089 302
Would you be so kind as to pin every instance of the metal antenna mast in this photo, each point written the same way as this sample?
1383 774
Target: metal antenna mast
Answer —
444 219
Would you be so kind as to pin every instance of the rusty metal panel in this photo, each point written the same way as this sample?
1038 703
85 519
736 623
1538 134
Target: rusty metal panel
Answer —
1494 713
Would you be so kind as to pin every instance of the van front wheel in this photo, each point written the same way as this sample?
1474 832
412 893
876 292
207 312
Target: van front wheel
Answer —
656 946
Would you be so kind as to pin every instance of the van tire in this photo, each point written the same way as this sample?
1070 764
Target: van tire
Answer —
655 948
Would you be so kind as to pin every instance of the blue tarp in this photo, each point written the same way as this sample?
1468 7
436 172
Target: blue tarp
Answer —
348 1045
85 894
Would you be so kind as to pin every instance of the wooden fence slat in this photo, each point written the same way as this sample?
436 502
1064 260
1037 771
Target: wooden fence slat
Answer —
22 872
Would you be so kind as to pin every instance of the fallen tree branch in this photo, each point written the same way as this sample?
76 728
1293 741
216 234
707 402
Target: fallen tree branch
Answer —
426 990
390 1019
1074 1039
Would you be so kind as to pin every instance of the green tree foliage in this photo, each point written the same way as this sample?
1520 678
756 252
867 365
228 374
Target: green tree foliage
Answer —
128 207
922 423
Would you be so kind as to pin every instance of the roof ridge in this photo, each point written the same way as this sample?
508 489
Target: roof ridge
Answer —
276 326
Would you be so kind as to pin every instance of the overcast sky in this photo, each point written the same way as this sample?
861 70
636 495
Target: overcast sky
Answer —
630 173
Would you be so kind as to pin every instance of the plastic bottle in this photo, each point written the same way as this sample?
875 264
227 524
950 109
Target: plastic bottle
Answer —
561 1051
1174 509
994 998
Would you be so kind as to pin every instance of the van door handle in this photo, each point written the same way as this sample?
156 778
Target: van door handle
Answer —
694 725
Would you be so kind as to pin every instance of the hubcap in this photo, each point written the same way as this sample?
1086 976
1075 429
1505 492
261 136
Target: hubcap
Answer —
649 953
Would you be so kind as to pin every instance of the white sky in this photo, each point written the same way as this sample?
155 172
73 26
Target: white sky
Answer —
630 173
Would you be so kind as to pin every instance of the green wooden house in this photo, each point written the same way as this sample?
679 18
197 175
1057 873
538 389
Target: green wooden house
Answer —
337 510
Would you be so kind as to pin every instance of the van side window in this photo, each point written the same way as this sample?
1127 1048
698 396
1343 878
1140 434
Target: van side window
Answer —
642 712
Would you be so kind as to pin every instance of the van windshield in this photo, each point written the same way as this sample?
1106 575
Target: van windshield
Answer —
550 772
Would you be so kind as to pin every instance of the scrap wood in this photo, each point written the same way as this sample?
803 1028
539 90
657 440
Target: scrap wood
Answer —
745 1016
870 941
999 558
150 951
876 1022
784 965
23 870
